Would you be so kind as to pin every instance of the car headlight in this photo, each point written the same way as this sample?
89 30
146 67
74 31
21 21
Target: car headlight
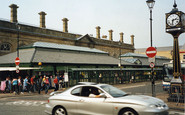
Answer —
159 106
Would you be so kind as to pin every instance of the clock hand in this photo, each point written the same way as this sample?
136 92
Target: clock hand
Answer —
173 21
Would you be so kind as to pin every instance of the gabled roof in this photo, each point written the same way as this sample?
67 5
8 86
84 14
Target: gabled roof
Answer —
166 48
133 60
62 47
49 53
140 55
105 42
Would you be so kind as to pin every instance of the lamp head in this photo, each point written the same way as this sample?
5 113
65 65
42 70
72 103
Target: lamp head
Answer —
150 4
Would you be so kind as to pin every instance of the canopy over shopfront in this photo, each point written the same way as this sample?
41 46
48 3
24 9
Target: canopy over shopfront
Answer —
20 68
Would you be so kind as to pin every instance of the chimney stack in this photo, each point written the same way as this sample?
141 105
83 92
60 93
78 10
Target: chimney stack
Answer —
132 40
42 19
110 35
13 13
121 37
104 36
98 32
65 25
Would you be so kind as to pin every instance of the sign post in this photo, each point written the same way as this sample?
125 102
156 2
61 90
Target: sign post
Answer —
151 52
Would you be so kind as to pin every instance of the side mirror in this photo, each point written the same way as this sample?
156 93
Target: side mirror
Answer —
103 95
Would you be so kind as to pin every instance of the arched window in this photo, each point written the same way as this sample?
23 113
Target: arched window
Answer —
5 47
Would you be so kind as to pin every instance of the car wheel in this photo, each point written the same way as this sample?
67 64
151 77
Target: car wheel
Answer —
128 112
59 111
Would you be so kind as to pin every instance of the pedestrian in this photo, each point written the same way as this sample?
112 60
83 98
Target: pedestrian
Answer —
43 82
7 89
39 84
60 82
50 79
32 87
20 85
56 83
26 84
15 85
46 82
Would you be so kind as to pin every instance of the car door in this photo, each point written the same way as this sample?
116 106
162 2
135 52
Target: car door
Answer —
94 106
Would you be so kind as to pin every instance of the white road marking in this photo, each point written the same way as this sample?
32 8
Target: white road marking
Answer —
176 113
25 103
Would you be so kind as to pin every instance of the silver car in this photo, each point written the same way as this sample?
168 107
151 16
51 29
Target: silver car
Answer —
107 100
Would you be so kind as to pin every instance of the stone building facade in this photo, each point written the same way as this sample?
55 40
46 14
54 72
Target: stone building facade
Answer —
14 34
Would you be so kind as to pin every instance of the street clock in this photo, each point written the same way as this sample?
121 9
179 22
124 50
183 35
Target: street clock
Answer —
175 21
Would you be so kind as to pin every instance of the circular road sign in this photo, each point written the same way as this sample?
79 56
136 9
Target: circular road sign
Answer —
17 61
152 65
151 52
17 71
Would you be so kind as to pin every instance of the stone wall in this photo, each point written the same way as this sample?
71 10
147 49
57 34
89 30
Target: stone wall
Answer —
29 34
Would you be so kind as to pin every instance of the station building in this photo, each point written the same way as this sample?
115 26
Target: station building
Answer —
83 57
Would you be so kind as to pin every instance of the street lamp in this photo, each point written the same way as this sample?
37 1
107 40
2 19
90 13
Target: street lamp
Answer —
120 60
18 29
150 4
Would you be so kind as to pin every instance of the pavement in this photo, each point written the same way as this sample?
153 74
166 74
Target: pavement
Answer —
163 96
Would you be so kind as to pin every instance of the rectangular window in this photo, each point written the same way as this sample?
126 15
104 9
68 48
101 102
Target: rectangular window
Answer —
183 56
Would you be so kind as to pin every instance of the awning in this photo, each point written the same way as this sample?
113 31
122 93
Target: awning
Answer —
20 68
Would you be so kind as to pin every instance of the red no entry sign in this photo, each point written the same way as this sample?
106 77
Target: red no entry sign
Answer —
151 52
17 61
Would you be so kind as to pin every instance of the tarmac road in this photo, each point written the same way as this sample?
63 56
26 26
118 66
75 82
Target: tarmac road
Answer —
35 104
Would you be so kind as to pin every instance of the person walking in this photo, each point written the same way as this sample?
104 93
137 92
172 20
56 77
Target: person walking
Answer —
15 85
60 82
56 83
20 85
39 84
32 88
46 82
26 84
7 89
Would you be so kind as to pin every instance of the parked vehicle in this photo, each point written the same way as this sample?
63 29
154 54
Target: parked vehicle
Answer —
108 101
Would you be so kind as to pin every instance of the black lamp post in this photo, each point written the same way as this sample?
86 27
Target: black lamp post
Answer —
150 4
120 60
18 29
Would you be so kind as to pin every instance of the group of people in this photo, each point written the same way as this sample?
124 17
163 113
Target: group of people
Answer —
32 84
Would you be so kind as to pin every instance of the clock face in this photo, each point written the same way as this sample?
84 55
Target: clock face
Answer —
173 20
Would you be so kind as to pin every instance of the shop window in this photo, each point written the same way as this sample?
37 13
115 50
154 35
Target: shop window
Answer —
184 57
5 47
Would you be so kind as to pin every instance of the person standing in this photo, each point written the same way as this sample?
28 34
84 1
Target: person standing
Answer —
56 83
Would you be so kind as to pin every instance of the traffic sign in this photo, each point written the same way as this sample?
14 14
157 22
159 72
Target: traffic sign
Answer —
17 61
17 71
151 52
152 65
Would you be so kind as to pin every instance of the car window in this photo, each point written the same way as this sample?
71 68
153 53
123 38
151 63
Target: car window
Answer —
113 91
87 90
76 91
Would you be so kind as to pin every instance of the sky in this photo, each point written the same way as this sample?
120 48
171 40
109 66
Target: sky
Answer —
129 17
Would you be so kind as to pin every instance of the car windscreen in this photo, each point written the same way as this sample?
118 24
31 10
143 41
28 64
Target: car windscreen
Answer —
113 91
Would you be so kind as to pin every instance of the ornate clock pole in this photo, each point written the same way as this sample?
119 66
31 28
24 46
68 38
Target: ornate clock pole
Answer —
175 25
